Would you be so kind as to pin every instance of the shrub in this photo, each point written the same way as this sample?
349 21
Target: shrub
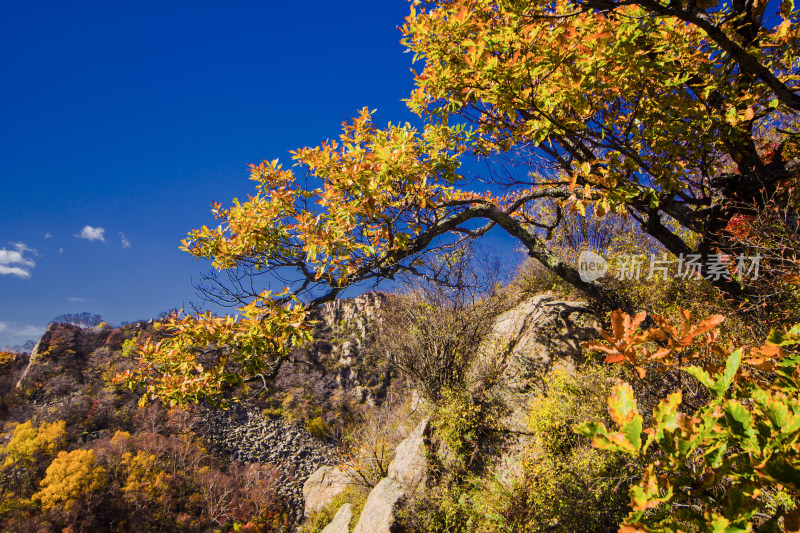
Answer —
272 412
370 443
355 495
29 440
318 427
30 449
467 428
567 485
558 483
442 508
433 338
732 465
70 477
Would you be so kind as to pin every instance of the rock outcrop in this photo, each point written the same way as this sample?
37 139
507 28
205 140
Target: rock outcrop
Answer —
538 333
380 511
65 350
62 348
410 464
341 521
528 341
339 361
355 314
323 486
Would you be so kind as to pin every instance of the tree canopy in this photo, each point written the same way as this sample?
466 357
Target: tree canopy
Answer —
679 114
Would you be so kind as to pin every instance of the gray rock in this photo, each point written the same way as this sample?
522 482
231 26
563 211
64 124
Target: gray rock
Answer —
323 486
341 521
528 341
410 463
242 433
360 393
380 510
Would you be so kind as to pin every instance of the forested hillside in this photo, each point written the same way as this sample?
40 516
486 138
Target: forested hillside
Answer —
79 452
637 372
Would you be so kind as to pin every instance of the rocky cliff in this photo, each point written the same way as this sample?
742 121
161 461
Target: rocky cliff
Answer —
525 344
337 378
67 376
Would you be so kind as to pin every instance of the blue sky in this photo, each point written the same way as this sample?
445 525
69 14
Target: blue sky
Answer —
122 121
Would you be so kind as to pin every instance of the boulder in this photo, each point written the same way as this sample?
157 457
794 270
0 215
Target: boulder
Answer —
539 332
380 509
323 486
341 521
410 463
528 341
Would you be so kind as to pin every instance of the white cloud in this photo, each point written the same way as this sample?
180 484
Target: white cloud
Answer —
48 235
14 261
125 242
76 299
22 248
13 333
15 271
91 234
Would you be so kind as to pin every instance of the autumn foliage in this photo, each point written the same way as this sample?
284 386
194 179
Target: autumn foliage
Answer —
731 465
679 116
656 111
663 343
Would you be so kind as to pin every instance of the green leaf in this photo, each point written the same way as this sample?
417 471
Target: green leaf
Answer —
785 338
700 375
741 423
623 410
665 419
665 414
778 414
589 429
731 367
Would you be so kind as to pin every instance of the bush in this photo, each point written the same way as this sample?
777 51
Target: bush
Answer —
28 451
355 495
370 443
560 483
731 465
433 338
272 412
567 485
467 428
442 508
318 428
70 477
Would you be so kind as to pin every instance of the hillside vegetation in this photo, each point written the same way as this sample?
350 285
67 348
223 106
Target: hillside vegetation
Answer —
513 385
639 374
